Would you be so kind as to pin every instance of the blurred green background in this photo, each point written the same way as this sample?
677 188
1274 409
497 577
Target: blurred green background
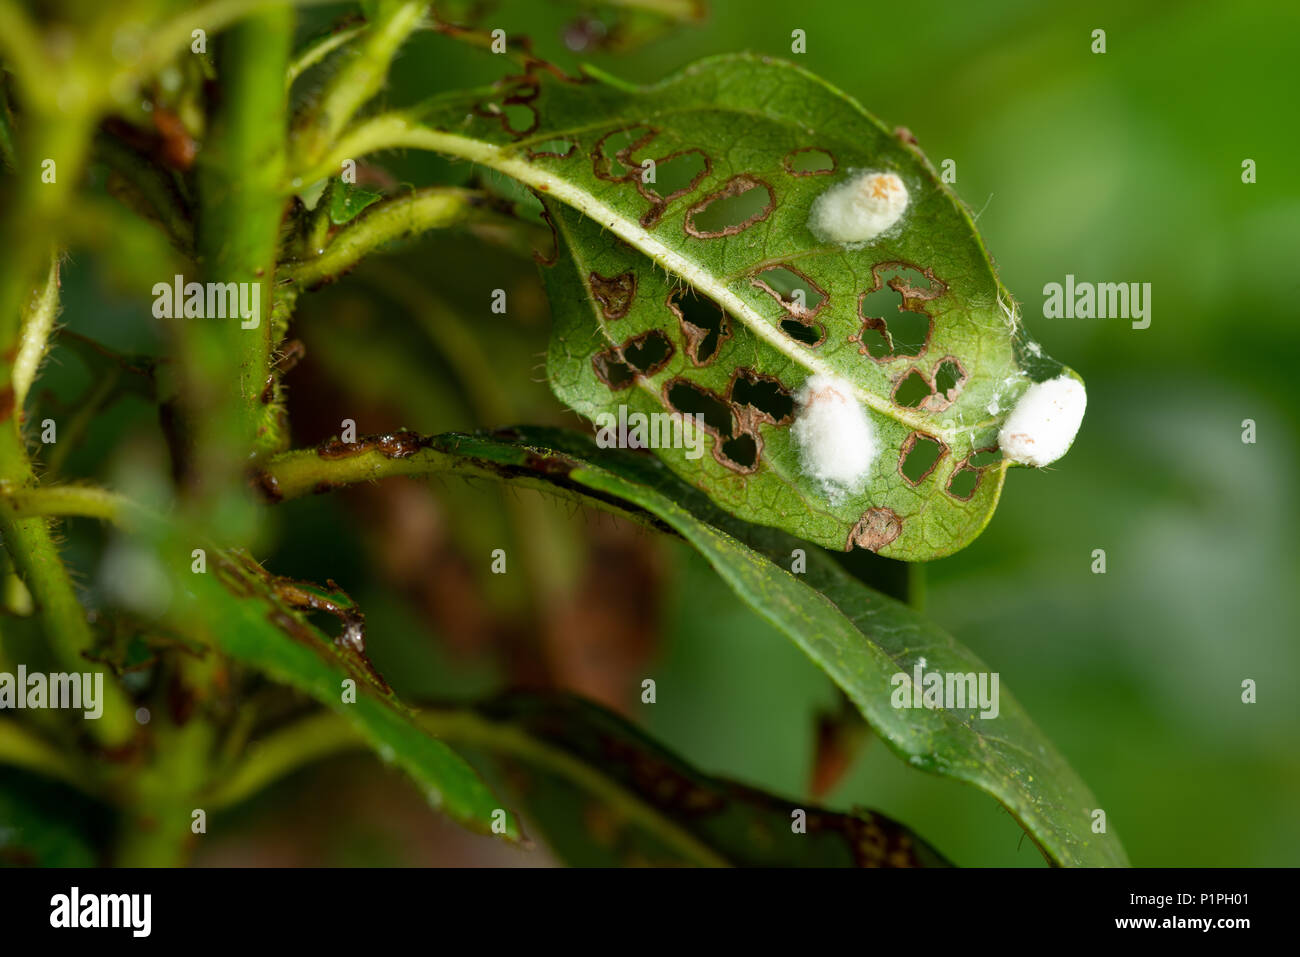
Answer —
1124 166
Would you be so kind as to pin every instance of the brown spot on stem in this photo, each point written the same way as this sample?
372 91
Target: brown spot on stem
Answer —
267 485
392 445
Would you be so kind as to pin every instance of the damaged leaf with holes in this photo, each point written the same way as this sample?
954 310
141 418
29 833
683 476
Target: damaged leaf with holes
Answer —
687 280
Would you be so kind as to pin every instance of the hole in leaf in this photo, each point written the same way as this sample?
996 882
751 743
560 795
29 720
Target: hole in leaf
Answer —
689 398
611 155
648 352
809 333
921 453
705 325
872 340
913 389
519 118
809 161
742 451
741 203
764 394
894 319
964 482
905 331
985 457
557 149
612 370
795 292
618 366
948 377
678 174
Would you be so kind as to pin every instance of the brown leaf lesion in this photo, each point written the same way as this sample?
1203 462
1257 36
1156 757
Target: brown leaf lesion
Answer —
878 527
615 294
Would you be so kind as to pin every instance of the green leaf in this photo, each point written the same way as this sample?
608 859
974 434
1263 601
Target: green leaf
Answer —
347 202
859 637
683 295
246 614
606 795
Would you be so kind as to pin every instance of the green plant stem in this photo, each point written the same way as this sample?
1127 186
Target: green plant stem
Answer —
30 219
916 586
684 11
8 143
86 501
156 829
20 46
304 472
20 748
283 752
169 37
360 79
319 50
435 207
226 366
35 556
37 326
29 540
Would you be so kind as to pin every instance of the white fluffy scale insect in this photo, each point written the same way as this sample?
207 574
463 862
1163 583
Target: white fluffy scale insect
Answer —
836 440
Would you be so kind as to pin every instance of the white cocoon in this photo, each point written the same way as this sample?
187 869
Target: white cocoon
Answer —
1042 426
836 440
858 209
